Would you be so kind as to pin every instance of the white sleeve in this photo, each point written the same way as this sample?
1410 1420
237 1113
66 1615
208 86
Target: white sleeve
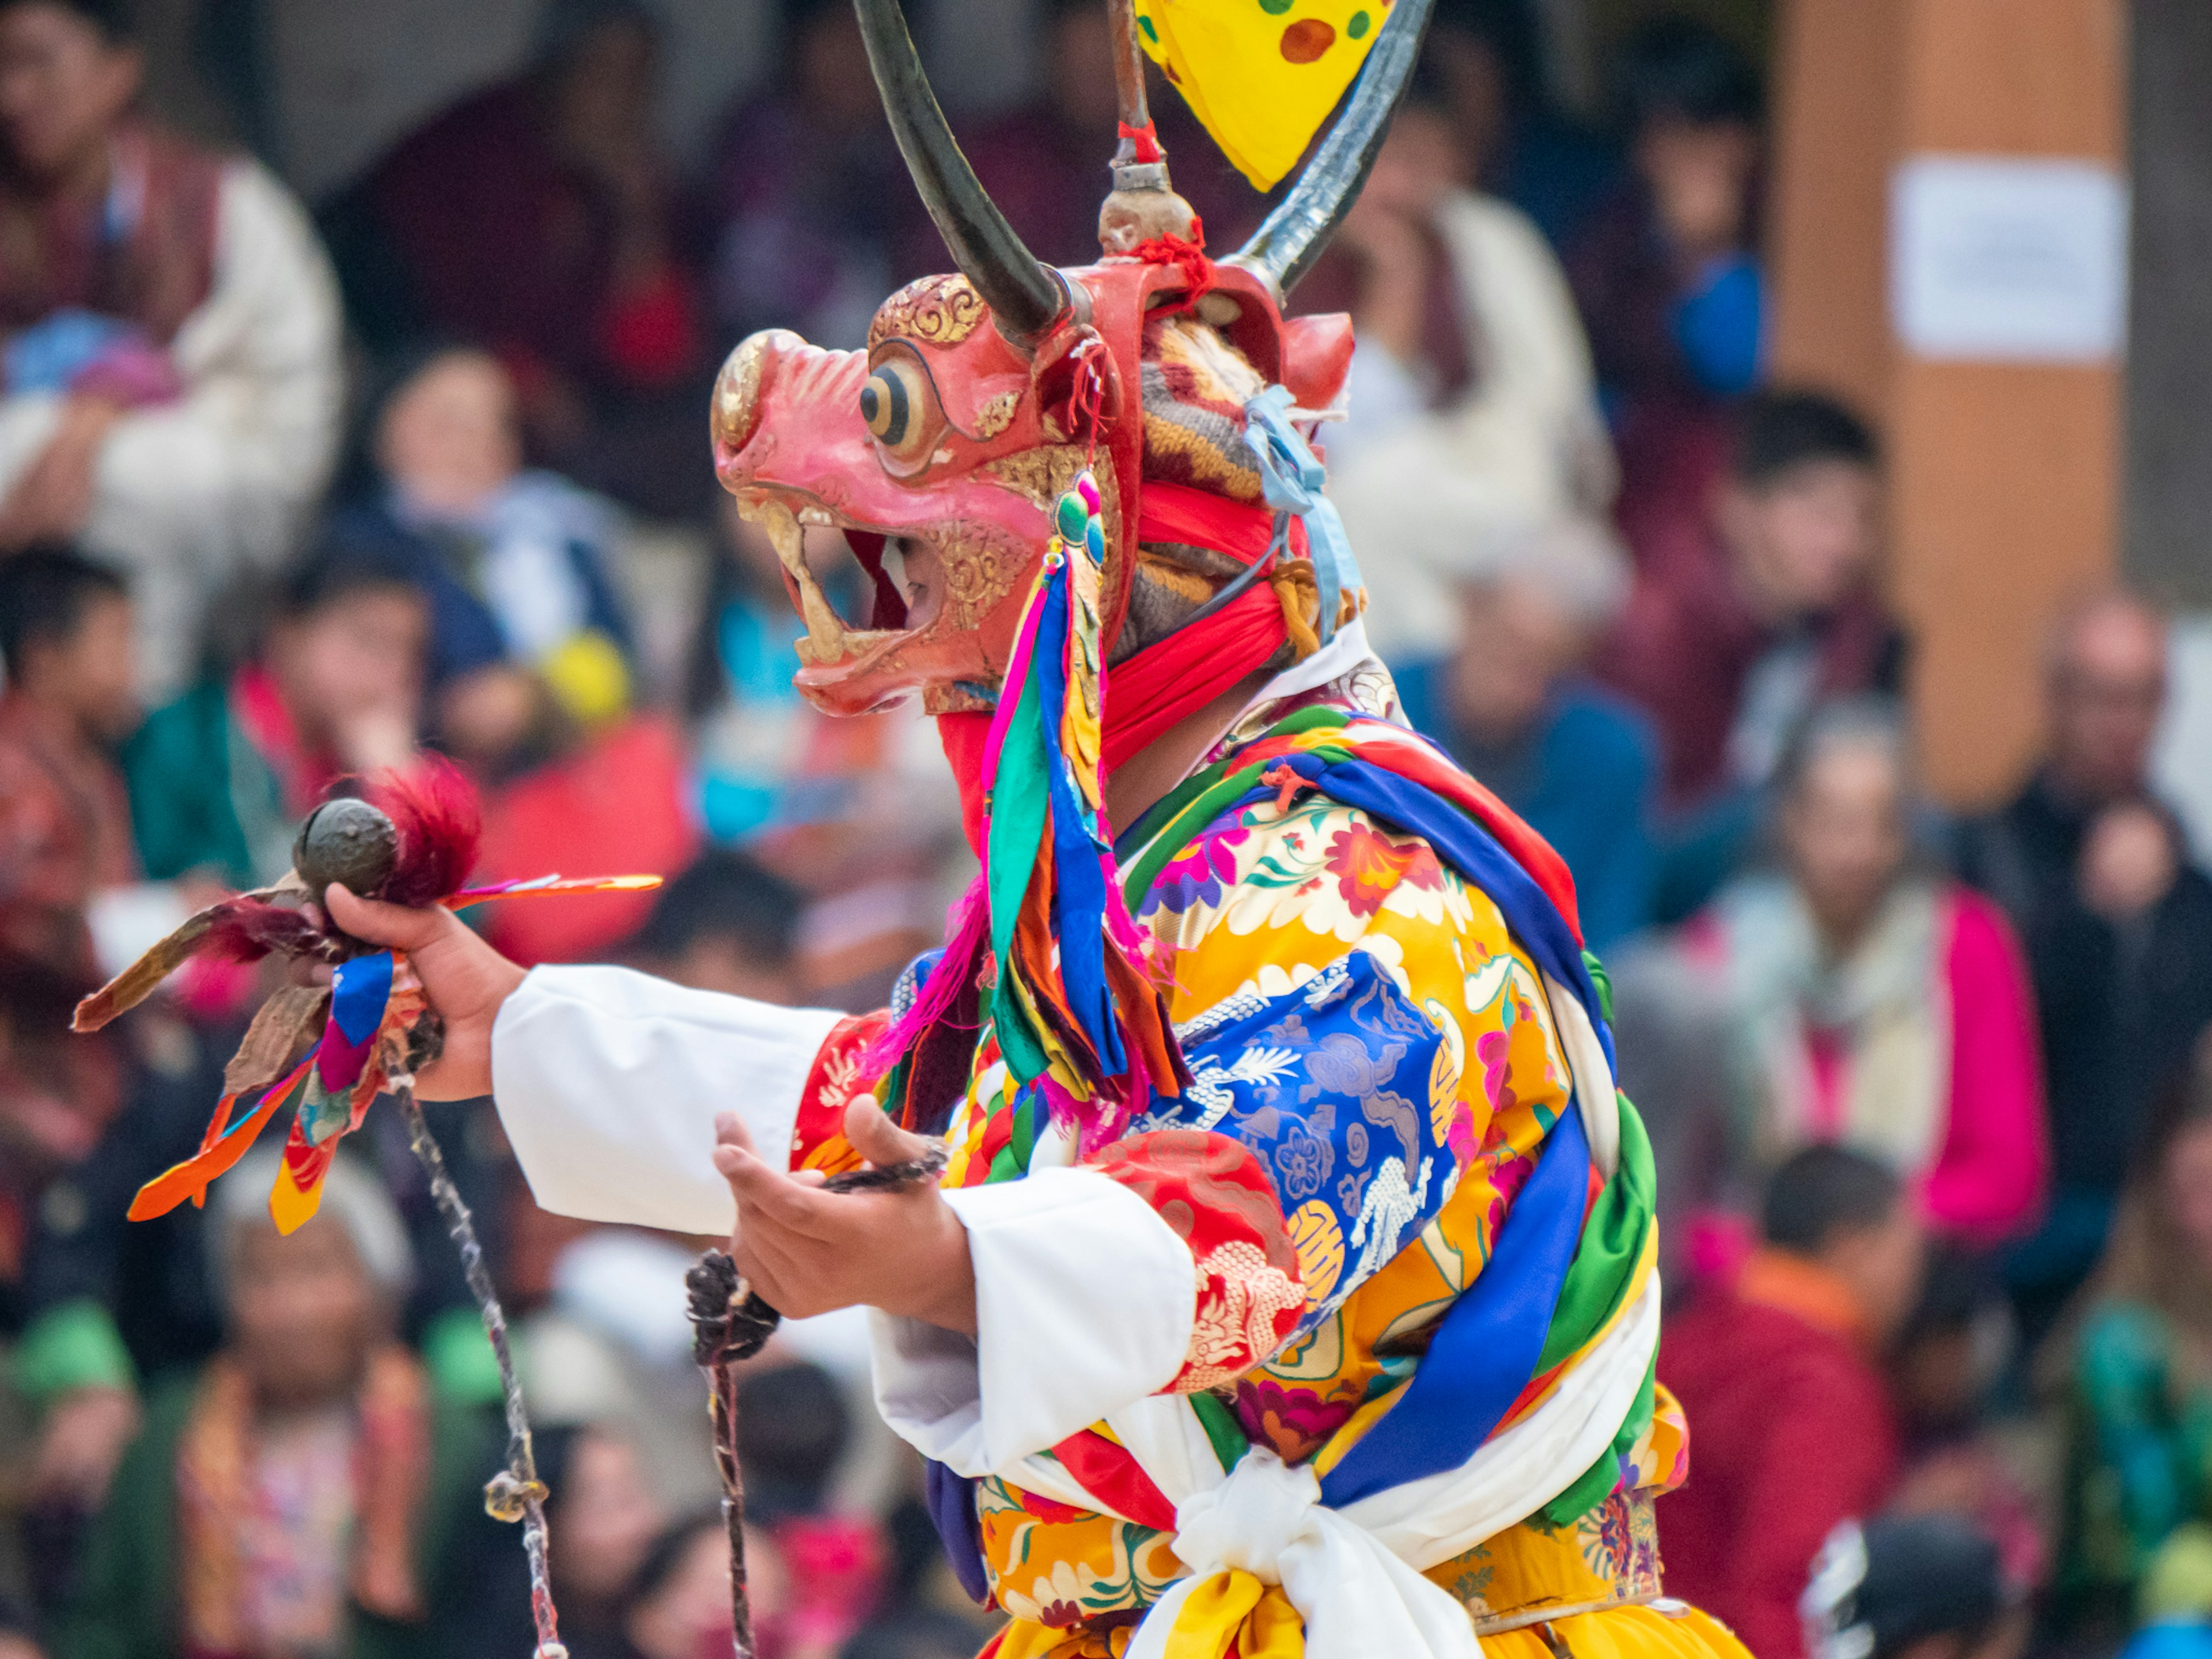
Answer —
607 1083
1086 1302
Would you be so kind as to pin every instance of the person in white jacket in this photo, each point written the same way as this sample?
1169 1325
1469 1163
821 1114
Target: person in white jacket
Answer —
1471 412
170 380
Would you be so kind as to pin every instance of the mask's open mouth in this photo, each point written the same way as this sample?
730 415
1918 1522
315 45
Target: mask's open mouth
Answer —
900 584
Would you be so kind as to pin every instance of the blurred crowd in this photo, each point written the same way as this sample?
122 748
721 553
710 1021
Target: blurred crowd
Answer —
291 491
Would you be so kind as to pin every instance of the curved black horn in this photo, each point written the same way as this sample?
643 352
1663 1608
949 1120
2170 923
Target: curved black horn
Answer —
1024 295
1295 234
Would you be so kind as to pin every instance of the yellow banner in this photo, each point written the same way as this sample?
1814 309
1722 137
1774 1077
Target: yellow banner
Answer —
1261 76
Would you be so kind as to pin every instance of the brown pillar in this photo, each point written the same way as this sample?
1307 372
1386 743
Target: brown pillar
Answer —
2169 513
2005 476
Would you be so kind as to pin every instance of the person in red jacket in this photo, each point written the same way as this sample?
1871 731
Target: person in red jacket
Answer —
1778 1372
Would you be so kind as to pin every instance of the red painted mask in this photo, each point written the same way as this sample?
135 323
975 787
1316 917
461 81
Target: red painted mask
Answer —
940 451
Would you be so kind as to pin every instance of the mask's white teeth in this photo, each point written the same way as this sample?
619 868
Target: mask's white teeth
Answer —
825 635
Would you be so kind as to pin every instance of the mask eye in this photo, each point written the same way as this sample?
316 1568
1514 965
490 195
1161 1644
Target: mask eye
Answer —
899 406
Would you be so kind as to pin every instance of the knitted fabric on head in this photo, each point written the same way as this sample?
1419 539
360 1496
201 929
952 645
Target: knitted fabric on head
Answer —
1195 387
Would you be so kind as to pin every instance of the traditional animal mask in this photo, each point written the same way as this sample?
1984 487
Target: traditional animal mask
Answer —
941 450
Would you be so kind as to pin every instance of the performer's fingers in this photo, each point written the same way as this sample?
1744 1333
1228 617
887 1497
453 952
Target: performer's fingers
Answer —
879 1139
761 1275
779 1272
380 923
776 1196
730 1130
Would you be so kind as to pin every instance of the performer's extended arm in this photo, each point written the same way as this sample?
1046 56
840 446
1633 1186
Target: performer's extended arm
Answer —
570 1049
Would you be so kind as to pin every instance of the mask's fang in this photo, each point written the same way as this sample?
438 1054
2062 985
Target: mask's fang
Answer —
825 635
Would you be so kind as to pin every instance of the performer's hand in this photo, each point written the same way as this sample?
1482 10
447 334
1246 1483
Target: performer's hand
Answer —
465 978
808 1252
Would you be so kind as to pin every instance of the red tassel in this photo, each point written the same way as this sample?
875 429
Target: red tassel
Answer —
434 807
1144 142
1189 256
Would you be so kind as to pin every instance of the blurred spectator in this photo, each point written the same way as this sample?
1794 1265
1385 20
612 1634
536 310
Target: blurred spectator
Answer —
726 925
171 361
1045 163
65 841
2141 1464
514 561
18 1639
610 1350
1512 705
1778 1371
539 216
2174 1606
1859 997
1909 1587
59 1094
609 1520
815 220
1470 407
1668 272
608 803
295 1495
859 814
1667 275
1517 147
1943 1368
219 779
1778 612
2117 926
792 1430
606 1520
677 1603
753 733
65 633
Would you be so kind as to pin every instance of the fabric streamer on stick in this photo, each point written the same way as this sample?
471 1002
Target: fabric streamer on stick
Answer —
408 840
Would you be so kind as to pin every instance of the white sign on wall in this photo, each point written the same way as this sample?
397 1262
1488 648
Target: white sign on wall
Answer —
2009 259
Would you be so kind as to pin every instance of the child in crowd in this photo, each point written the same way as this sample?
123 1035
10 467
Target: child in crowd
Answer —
1667 274
1513 704
1780 1372
2140 1465
65 632
1667 281
297 1494
1943 1368
727 925
514 560
857 814
793 1430
1773 609
220 778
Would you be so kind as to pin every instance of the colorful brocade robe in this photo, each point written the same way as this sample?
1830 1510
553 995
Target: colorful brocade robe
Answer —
1382 1158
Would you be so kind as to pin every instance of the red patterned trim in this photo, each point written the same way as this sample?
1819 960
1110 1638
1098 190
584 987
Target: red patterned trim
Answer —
1218 1197
818 1138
